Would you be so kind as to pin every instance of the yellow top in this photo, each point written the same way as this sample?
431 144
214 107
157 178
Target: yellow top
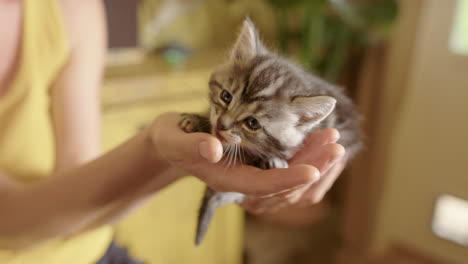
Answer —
26 135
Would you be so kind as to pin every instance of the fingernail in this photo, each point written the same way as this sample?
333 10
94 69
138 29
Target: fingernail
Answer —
204 150
335 136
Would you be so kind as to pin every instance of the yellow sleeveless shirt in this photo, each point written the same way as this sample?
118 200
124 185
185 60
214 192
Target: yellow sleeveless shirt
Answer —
26 135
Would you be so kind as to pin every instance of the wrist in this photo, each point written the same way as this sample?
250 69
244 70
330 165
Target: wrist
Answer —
156 152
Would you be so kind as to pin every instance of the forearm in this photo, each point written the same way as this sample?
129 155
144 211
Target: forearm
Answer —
66 204
124 206
116 211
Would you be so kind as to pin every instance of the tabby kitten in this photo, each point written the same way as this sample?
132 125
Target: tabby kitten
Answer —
262 107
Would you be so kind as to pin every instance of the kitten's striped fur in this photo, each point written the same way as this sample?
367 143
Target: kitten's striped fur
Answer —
286 102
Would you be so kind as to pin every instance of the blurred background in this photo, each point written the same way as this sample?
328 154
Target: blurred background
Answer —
405 63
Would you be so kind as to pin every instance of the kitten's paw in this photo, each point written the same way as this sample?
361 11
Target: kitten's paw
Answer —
273 163
278 163
188 123
191 123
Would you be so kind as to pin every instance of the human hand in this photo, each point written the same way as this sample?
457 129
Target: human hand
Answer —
321 151
198 154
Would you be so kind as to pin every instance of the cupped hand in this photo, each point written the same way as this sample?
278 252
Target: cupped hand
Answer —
320 151
199 154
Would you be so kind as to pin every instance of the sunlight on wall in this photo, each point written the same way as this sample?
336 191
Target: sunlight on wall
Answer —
459 38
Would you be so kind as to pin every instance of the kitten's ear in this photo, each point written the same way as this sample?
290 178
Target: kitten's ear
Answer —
312 110
248 44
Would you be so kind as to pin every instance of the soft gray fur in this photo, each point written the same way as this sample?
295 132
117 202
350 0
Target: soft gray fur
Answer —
262 107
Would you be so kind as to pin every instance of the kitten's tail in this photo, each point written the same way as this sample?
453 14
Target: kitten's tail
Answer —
211 201
207 210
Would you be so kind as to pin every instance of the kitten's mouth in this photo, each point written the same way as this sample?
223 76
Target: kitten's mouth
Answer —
219 136
225 137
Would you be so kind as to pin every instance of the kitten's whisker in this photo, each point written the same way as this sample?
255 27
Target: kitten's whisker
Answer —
242 156
225 152
231 157
241 160
231 154
226 157
239 153
235 157
234 154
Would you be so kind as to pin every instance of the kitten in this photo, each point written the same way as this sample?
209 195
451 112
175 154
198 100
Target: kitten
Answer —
262 107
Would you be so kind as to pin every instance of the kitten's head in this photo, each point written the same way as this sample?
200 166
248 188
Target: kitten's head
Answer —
261 101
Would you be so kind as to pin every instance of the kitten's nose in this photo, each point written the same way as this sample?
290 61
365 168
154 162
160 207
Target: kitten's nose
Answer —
224 123
220 126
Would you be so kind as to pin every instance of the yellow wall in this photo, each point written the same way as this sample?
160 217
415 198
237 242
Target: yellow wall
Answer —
429 148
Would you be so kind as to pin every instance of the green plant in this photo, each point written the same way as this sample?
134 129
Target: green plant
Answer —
329 31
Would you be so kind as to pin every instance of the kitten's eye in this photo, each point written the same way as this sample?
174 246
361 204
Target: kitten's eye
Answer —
252 123
226 96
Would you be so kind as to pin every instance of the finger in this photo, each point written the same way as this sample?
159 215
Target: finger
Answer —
196 149
252 205
318 190
323 158
256 182
332 153
314 142
322 137
263 205
181 147
319 138
273 203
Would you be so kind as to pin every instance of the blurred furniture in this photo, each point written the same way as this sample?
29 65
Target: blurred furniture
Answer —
122 24
416 139
200 24
163 230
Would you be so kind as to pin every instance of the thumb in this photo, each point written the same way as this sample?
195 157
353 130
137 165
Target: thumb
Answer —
197 148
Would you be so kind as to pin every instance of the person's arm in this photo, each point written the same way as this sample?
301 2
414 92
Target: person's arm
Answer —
65 204
320 150
75 94
149 161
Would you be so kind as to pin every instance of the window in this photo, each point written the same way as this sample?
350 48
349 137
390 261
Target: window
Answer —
450 220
